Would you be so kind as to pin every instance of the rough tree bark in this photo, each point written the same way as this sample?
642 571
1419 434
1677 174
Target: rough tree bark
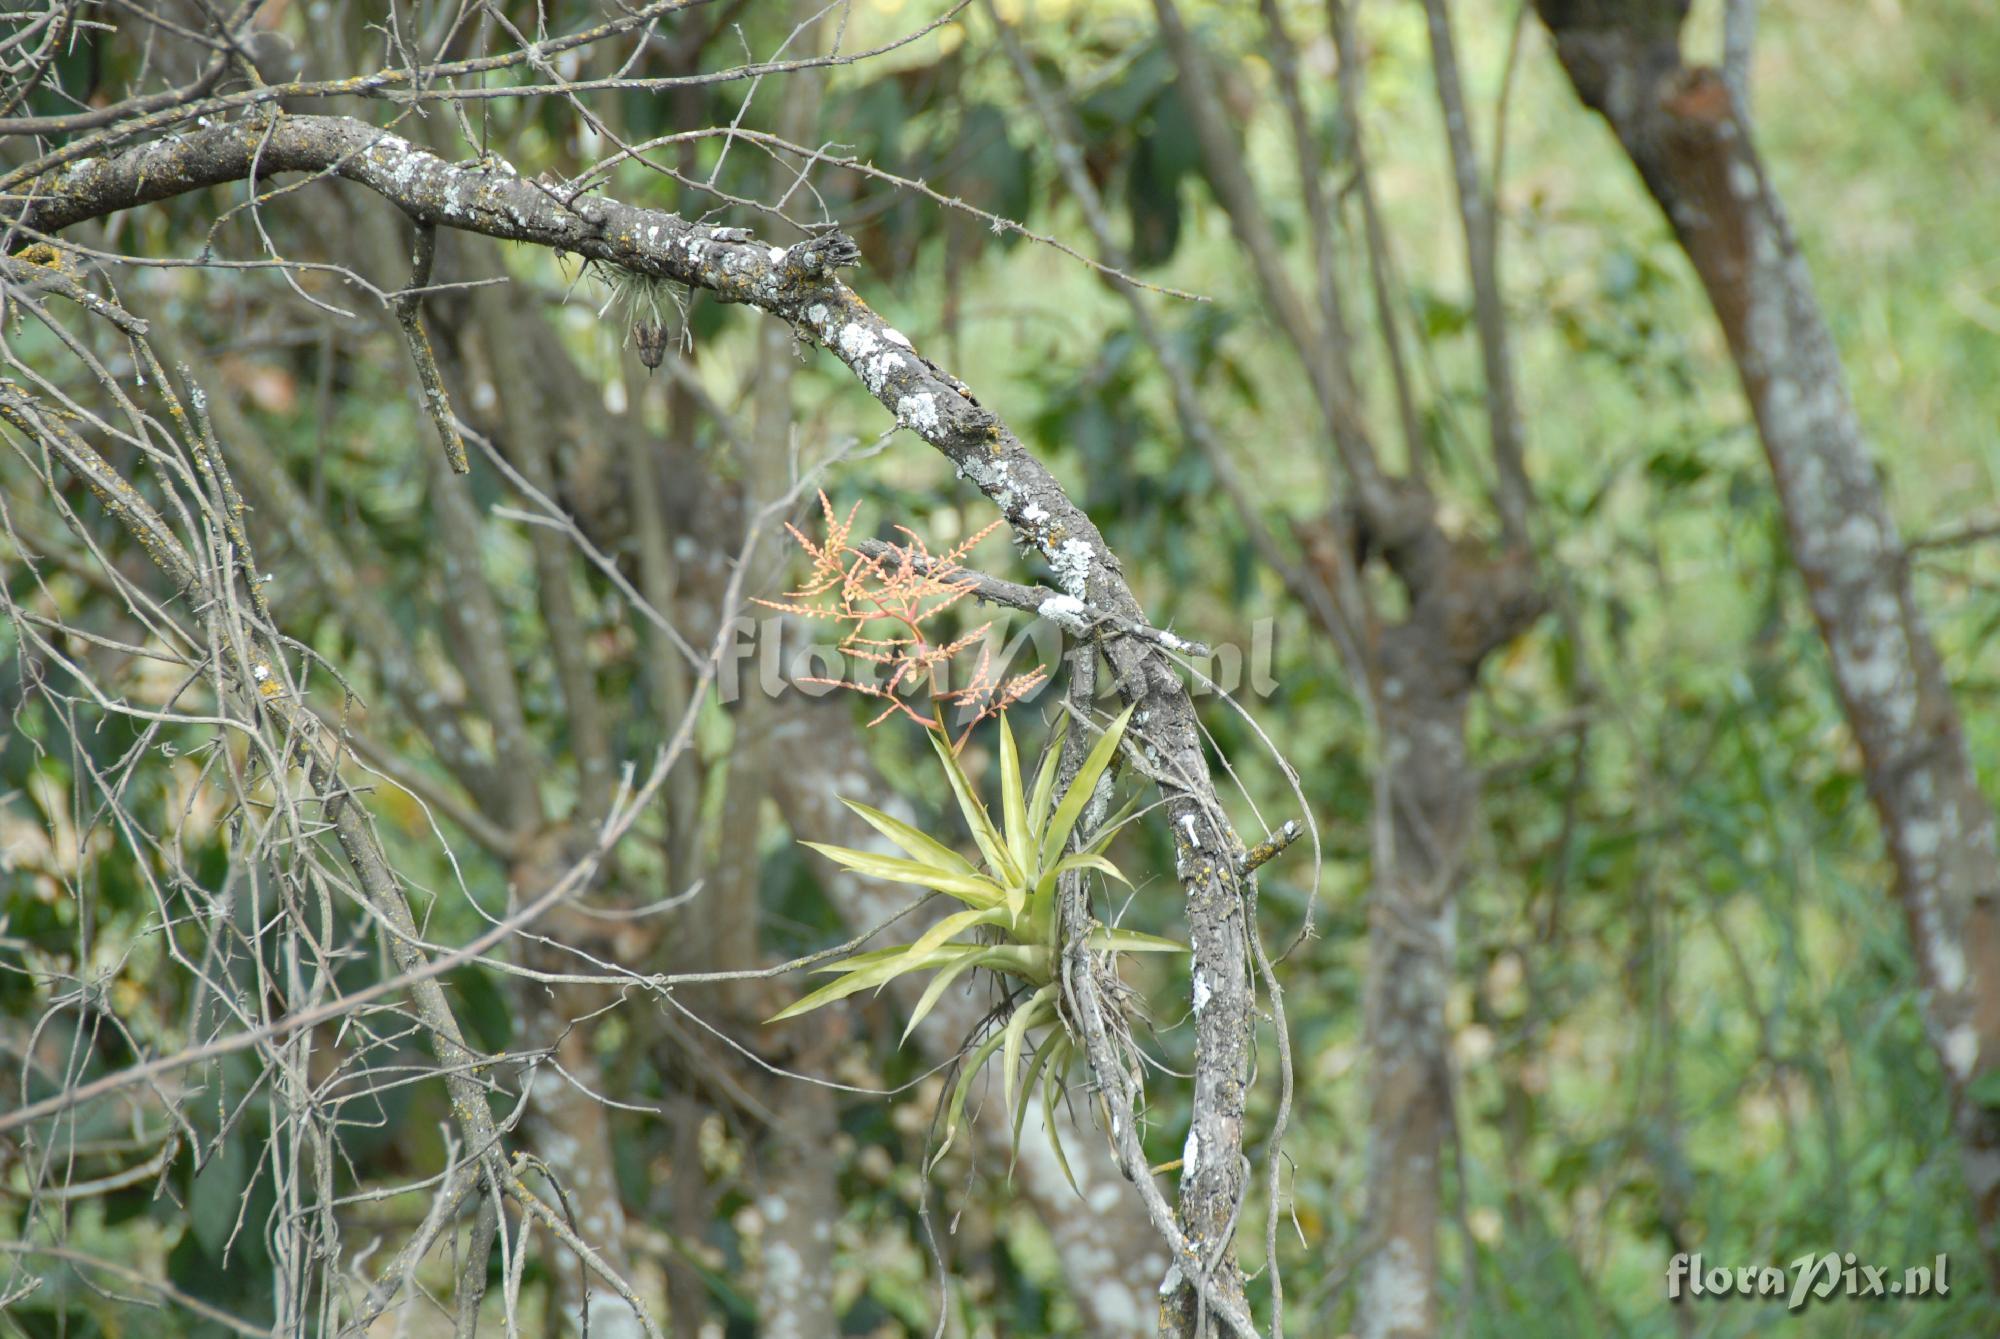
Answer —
1691 142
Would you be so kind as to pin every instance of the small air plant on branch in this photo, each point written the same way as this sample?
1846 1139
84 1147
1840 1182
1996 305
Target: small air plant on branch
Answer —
642 296
1009 925
885 603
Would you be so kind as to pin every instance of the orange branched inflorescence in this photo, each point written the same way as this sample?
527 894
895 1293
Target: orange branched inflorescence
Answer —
884 602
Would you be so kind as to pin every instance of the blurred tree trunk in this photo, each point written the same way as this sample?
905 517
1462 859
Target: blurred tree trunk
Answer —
798 1191
1691 141
1466 603
1467 595
798 1195
1412 934
539 420
570 1129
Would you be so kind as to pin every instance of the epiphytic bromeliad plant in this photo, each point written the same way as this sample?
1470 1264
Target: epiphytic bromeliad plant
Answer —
1010 925
1011 921
885 601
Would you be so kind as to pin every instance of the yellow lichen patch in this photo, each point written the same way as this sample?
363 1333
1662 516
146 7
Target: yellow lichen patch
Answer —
41 253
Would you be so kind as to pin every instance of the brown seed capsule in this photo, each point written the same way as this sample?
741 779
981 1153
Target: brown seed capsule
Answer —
652 340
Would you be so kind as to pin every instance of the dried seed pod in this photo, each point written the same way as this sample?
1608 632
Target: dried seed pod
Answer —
652 340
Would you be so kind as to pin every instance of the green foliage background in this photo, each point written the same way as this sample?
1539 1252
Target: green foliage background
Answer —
1685 1016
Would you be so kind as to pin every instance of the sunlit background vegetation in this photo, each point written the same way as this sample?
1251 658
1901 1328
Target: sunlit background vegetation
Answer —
1685 1012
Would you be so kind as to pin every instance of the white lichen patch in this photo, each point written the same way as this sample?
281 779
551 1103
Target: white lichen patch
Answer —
1922 838
1394 1293
1742 180
1961 1050
875 372
1071 562
1201 993
1947 959
864 352
1871 656
919 411
990 475
856 342
1066 611
1860 535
